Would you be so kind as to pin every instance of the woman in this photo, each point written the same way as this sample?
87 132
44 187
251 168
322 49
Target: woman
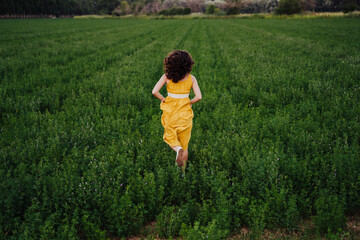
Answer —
177 113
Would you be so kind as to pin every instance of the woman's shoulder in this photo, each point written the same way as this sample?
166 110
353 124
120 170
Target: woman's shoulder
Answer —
193 78
165 78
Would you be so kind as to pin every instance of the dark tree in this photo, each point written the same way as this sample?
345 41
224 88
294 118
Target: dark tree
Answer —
289 7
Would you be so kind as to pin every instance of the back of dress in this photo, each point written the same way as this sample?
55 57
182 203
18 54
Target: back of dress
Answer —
183 87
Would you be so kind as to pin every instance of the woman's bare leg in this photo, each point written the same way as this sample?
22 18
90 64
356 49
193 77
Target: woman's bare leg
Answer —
185 156
180 159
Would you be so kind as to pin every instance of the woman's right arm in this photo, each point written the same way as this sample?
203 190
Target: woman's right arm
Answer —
157 88
196 91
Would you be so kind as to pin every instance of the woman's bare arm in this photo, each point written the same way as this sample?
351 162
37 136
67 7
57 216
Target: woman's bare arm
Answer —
157 88
196 91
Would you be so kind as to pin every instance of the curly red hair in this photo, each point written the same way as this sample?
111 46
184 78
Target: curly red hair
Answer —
177 64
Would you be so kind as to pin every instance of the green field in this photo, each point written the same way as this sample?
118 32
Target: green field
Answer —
275 141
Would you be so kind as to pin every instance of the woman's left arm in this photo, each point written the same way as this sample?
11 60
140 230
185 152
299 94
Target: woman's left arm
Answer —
157 88
196 91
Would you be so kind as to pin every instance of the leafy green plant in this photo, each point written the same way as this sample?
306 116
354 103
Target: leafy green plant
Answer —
169 222
211 231
330 216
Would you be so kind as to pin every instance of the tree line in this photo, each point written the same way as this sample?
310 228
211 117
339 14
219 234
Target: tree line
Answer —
168 7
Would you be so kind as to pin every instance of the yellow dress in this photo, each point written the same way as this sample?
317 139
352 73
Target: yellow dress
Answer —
177 114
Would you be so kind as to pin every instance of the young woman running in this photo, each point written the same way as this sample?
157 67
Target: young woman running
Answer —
177 112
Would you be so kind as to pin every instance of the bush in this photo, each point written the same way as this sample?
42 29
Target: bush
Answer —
187 11
210 9
233 11
288 7
175 11
347 7
218 12
355 14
